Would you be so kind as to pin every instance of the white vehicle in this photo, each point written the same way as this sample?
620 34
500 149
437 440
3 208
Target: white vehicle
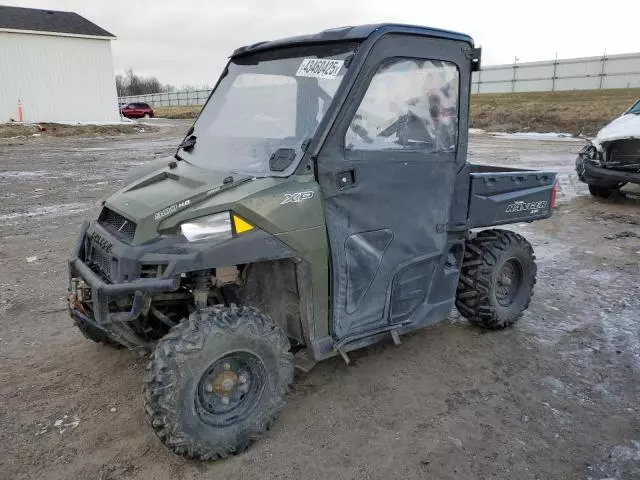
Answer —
612 159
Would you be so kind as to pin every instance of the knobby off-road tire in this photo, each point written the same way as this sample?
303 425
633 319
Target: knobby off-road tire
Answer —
176 399
95 334
497 278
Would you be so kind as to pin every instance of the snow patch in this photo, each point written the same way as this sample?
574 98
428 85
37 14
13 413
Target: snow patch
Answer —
59 210
15 174
565 137
124 121
67 423
154 124
626 126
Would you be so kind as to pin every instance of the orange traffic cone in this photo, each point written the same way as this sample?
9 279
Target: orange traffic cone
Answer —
20 111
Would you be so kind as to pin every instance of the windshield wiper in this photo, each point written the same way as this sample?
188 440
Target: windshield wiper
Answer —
188 143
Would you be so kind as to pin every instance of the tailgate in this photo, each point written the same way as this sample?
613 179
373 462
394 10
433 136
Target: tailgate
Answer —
496 198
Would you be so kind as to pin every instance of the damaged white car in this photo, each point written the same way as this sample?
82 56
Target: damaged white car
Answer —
612 159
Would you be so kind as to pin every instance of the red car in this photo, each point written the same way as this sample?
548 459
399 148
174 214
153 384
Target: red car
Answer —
137 110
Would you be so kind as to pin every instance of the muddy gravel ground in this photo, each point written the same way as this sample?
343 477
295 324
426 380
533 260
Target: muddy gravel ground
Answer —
555 397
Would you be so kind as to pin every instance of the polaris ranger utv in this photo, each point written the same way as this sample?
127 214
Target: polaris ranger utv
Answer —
321 202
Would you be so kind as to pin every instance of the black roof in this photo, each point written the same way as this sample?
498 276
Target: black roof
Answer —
359 32
17 18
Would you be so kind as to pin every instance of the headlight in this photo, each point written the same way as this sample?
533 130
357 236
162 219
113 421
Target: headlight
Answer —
211 228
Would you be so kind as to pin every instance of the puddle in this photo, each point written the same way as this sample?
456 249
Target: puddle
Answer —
622 462
570 187
621 332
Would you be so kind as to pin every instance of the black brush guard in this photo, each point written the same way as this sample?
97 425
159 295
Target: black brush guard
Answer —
114 323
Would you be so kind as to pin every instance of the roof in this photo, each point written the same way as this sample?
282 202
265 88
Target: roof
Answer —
359 32
49 21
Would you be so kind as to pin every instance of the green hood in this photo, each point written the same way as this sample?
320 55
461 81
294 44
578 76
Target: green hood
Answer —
167 191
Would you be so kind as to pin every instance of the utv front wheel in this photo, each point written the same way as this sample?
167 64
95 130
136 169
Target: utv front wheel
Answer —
497 278
217 381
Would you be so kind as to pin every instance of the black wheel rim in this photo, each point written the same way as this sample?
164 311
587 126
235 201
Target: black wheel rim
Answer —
230 388
508 282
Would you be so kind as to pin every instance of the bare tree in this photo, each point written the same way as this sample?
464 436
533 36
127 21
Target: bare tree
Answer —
130 83
121 85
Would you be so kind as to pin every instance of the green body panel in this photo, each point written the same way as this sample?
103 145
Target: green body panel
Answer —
259 200
288 208
312 243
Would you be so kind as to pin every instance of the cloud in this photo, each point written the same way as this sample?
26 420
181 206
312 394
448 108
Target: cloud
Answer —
188 41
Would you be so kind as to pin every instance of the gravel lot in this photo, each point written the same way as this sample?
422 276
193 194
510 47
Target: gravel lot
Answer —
556 397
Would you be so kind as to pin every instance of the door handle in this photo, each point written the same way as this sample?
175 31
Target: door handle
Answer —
346 178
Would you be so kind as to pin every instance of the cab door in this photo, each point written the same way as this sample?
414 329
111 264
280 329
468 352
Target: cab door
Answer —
387 173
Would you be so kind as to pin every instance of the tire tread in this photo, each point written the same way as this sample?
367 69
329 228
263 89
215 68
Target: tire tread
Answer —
482 255
189 337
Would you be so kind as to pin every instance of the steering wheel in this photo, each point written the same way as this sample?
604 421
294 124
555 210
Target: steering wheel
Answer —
359 130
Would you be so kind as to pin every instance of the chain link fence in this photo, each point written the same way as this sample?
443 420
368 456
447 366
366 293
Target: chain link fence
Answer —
169 99
588 73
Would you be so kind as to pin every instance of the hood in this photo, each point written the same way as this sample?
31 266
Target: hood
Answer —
624 127
169 190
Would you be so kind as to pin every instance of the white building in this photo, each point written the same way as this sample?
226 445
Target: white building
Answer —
58 64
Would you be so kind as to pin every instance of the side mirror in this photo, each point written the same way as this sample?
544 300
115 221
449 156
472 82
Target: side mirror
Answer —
475 55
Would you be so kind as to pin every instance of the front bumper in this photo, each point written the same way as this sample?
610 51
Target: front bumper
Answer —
102 293
112 269
590 173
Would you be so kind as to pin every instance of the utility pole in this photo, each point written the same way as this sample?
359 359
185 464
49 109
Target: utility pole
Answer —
602 74
555 70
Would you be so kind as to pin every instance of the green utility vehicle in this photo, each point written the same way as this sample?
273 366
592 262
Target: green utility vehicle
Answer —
321 202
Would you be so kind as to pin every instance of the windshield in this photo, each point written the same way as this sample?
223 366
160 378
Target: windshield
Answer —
266 102
635 109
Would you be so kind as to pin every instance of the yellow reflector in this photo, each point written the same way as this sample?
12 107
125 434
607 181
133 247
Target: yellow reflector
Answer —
241 225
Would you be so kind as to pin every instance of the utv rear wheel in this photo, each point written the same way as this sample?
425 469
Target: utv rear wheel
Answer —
95 334
497 278
217 381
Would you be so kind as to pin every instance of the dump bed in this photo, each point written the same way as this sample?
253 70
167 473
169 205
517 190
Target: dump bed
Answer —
500 195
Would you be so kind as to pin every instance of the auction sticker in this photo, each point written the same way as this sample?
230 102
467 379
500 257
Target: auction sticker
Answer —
319 68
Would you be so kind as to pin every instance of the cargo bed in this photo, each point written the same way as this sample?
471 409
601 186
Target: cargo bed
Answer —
500 195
